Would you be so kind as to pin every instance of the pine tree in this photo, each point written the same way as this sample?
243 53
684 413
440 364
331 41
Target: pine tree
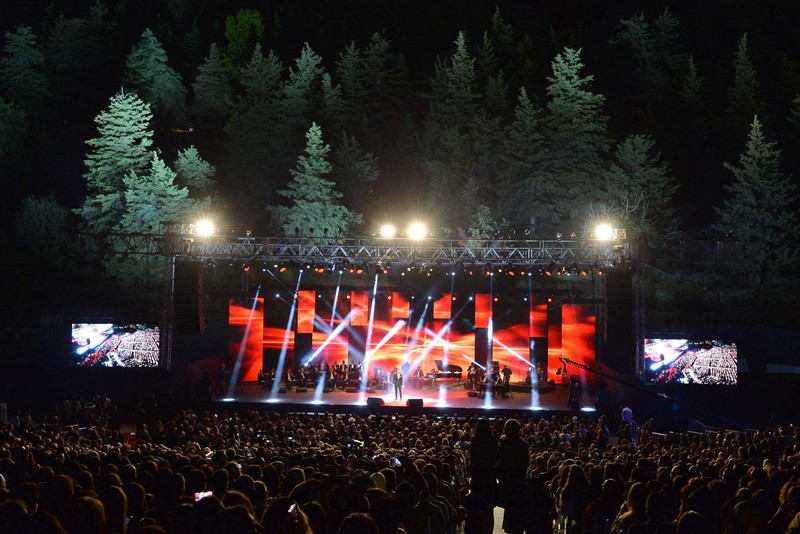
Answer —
447 151
300 92
122 146
521 178
195 46
41 224
334 108
148 74
355 172
578 138
257 148
150 198
212 91
194 173
73 49
761 210
744 98
243 31
640 187
314 209
22 77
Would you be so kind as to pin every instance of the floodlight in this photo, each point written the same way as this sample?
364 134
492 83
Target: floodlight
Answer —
604 232
417 231
387 230
204 228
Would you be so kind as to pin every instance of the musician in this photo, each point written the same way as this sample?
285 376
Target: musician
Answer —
432 376
262 379
418 377
397 380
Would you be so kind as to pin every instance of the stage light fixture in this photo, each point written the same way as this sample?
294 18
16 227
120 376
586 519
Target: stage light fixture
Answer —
551 269
387 230
417 231
282 269
604 232
204 228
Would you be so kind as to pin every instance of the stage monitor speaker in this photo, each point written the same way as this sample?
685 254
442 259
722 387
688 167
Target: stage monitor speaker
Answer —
375 401
188 298
301 390
414 403
351 389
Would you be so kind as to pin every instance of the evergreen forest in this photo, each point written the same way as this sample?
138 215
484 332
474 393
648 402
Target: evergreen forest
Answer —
678 122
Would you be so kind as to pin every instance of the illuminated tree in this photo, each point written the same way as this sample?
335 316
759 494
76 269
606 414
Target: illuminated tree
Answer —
314 208
148 74
194 172
299 93
578 139
243 31
123 146
761 210
150 198
212 90
640 187
523 154
447 150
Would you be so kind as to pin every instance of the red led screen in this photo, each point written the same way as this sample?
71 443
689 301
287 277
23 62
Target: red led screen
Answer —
395 341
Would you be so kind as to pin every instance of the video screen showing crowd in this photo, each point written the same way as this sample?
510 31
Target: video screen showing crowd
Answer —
685 361
115 345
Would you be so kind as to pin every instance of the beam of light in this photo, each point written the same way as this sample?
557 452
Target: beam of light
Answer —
534 375
237 367
336 331
442 396
336 297
362 391
513 352
417 329
276 384
320 385
396 328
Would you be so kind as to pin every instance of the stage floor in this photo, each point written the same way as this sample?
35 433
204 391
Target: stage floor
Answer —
446 395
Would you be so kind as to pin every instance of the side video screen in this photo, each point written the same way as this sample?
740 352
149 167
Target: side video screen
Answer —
115 345
688 361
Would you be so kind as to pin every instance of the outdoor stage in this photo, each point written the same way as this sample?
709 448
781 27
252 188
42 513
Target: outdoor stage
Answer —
451 395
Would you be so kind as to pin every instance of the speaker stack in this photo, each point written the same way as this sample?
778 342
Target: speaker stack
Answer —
375 401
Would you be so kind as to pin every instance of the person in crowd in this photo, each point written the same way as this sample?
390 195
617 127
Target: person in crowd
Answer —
512 466
483 449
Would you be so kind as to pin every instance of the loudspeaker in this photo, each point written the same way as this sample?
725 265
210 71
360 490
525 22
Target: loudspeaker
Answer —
351 390
301 389
414 403
375 401
188 298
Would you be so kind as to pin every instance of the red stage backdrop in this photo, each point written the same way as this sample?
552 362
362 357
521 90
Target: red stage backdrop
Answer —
401 337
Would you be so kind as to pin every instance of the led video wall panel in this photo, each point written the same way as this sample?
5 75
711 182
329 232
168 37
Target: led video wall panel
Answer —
391 329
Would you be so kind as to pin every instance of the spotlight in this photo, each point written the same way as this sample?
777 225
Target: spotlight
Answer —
417 231
387 230
551 269
204 228
604 232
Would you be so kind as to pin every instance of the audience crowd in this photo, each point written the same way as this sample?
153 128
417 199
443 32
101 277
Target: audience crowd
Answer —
90 468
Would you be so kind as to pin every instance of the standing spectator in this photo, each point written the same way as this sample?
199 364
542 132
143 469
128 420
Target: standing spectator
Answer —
483 480
512 465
